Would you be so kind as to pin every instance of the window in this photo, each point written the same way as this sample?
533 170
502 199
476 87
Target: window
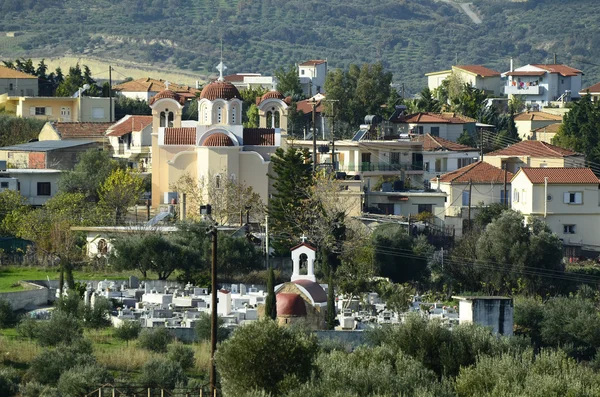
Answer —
302 72
523 196
425 208
395 158
464 162
549 197
97 113
515 196
10 87
40 111
218 181
219 114
233 110
43 188
465 198
420 130
573 198
503 199
569 229
435 131
4 185
102 246
365 157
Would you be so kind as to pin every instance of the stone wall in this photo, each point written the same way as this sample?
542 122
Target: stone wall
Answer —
27 299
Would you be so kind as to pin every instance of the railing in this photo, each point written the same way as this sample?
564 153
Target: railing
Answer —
525 90
375 167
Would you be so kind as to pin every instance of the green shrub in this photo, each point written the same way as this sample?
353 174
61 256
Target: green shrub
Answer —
80 380
155 339
184 355
8 317
129 330
162 373
265 356
9 382
50 364
28 328
203 328
36 389
61 328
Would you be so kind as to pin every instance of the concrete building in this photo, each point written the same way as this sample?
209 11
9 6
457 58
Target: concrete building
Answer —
593 90
63 109
74 131
477 76
16 83
131 138
543 84
533 154
441 155
61 155
36 185
496 312
312 76
244 81
448 126
527 122
567 199
146 88
547 133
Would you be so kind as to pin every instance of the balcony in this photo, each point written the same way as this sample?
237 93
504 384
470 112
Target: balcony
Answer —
380 167
525 90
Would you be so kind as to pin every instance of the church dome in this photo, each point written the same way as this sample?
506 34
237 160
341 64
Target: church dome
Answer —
220 90
167 94
272 95
290 305
218 139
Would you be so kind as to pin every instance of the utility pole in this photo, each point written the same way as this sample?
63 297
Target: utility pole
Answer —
481 149
267 240
314 136
110 101
470 186
212 231
505 192
333 101
555 58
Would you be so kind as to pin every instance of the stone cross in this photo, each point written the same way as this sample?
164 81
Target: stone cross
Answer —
167 84
221 68
303 238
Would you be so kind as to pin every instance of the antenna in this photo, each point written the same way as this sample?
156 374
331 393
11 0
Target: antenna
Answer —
220 66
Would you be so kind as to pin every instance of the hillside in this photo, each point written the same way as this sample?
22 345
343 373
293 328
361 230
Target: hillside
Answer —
410 37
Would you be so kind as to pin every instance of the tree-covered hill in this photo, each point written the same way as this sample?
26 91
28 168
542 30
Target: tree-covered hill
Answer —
410 37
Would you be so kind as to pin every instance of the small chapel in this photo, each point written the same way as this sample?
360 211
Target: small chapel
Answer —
302 298
217 145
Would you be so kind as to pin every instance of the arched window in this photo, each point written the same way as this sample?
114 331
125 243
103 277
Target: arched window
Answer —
205 110
218 181
102 247
219 114
163 119
233 110
170 119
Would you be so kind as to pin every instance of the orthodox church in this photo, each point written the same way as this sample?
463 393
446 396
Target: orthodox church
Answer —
217 145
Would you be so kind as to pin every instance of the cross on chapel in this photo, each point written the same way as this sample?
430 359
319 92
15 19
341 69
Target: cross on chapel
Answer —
167 84
221 68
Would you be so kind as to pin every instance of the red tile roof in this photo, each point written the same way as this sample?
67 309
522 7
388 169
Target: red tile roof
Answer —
239 77
180 136
147 84
8 73
533 149
537 116
313 62
563 70
129 124
306 107
316 292
526 73
168 94
479 172
552 128
259 136
75 130
434 143
562 176
479 70
218 139
437 118
593 89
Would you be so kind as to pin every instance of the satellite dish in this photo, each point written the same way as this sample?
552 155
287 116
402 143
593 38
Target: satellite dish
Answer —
86 87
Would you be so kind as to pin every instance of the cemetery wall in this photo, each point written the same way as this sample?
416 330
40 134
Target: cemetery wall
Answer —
20 300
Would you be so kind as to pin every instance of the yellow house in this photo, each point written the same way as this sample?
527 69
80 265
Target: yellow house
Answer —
66 109
547 133
528 121
567 199
59 131
477 76
534 154
217 145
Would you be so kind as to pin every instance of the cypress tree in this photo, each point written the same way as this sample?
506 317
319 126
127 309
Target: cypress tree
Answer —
331 315
271 302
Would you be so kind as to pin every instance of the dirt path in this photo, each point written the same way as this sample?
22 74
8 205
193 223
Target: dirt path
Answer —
466 8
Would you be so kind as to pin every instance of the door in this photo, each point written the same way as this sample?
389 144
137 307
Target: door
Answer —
65 114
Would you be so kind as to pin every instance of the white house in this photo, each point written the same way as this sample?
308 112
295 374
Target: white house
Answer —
444 125
131 139
441 155
244 81
477 76
542 84
17 83
147 87
312 76
35 185
476 184
567 199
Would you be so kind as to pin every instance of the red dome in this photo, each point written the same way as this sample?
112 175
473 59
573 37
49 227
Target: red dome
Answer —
290 305
168 94
218 139
220 90
272 95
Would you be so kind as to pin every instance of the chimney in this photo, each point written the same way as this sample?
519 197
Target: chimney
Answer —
197 85
511 65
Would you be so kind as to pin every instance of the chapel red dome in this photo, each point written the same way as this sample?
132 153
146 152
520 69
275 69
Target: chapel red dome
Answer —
218 139
290 305
167 94
220 90
272 95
